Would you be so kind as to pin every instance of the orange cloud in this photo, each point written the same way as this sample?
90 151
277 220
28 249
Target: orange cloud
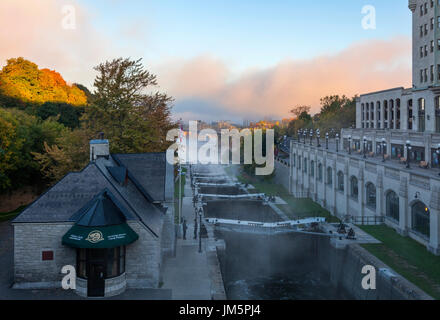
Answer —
363 67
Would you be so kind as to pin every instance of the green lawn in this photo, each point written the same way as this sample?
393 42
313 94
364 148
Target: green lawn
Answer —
5 216
407 257
295 208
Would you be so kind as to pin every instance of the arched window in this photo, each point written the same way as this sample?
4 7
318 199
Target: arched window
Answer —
371 195
420 218
329 176
320 172
340 181
305 165
392 205
354 187
312 168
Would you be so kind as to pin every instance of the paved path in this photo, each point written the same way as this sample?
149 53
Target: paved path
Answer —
187 274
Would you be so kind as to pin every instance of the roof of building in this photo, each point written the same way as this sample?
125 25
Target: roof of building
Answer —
78 190
147 170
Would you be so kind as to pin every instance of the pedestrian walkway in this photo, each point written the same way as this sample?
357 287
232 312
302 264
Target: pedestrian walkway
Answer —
187 274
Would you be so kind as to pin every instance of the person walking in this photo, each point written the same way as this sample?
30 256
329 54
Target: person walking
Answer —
184 229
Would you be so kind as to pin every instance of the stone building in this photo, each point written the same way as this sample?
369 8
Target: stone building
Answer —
386 170
113 221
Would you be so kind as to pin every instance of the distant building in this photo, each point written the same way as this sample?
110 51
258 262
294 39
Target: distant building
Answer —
113 221
364 177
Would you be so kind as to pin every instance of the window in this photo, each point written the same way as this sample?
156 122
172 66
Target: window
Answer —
421 52
47 255
392 205
432 73
432 23
426 29
421 10
320 172
305 165
312 168
329 176
421 75
426 8
113 259
420 218
371 195
432 46
426 50
340 181
425 72
299 162
354 187
421 31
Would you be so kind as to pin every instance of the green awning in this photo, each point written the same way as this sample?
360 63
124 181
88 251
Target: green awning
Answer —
99 237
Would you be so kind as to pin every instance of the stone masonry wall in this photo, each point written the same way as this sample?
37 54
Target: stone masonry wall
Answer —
29 242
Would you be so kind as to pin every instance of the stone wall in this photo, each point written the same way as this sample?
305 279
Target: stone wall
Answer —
282 174
29 242
143 259
345 265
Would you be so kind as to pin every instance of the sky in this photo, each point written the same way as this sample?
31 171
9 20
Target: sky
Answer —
220 60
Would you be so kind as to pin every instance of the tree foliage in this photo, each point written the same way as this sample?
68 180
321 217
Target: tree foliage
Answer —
132 117
21 82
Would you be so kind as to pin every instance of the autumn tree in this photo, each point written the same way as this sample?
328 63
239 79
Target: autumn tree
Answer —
300 109
22 82
125 109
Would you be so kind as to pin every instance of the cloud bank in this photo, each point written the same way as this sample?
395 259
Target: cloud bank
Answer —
203 88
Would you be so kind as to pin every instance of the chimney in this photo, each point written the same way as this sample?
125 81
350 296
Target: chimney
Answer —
99 148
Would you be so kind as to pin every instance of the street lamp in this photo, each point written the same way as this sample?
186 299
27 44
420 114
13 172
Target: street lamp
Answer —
311 136
318 135
299 135
384 144
326 140
349 144
304 135
200 230
408 153
438 154
365 147
337 142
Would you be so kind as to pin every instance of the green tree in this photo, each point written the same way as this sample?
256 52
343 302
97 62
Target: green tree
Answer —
122 108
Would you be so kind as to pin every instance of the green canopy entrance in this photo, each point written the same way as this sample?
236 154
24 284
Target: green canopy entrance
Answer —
100 224
99 237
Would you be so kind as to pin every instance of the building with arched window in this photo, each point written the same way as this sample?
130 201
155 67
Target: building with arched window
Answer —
386 167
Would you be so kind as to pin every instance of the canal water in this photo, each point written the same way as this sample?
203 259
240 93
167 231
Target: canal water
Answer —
275 267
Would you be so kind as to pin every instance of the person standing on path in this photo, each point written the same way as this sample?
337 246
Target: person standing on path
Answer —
184 229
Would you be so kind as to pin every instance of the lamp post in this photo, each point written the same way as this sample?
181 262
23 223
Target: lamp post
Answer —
299 135
365 147
349 144
384 144
326 140
438 154
311 136
337 142
200 230
304 135
408 153
318 135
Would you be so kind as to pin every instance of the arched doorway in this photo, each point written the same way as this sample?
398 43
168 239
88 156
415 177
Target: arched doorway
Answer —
420 218
392 205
